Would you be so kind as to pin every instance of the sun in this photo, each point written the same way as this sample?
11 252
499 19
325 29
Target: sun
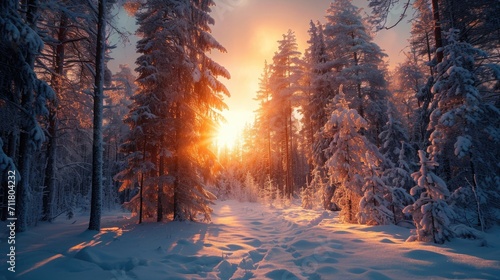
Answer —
230 131
226 136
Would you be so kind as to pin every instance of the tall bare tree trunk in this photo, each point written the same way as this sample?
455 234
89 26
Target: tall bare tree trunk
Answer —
97 147
56 83
437 31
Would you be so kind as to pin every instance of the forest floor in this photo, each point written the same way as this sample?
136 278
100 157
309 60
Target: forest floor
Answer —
243 241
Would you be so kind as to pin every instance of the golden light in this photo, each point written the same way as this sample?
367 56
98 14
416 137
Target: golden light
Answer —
230 131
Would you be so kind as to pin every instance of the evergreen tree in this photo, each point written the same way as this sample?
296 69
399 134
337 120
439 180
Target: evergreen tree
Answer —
318 92
464 125
351 152
24 95
263 126
177 104
375 203
431 213
284 85
358 63
407 81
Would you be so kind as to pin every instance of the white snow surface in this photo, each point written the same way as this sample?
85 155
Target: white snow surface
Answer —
243 241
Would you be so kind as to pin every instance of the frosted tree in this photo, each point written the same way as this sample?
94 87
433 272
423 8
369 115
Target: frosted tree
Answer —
179 97
431 213
197 115
398 165
375 203
263 121
139 162
392 135
269 192
307 196
406 83
23 94
465 126
397 152
284 85
317 91
350 151
358 63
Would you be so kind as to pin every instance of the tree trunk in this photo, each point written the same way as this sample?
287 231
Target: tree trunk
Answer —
177 210
437 31
429 56
96 198
287 154
26 143
159 208
141 192
480 217
50 175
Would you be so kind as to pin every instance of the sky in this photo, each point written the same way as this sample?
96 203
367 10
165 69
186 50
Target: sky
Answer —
249 30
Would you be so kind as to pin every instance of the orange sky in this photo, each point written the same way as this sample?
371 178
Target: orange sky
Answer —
250 29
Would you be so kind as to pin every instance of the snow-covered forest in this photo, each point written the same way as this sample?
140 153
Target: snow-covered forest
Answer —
341 142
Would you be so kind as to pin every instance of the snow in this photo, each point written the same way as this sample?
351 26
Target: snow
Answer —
244 240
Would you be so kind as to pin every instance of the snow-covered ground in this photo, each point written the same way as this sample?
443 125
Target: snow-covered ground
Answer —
244 241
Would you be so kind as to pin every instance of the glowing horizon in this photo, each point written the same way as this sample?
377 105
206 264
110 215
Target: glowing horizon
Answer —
249 30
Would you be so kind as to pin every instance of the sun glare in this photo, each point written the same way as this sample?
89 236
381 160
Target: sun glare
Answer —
231 130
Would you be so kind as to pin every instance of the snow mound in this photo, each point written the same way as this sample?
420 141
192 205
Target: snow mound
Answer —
107 261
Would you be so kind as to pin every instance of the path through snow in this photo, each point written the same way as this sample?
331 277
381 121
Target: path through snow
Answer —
245 241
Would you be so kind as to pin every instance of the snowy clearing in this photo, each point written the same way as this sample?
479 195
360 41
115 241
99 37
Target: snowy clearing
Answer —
244 241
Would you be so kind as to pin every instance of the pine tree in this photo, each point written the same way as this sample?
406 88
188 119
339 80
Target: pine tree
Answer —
375 203
464 124
358 63
431 213
263 128
23 93
350 151
407 82
307 195
284 85
318 91
176 105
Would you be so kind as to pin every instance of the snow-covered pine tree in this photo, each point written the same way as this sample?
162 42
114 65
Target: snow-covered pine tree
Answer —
431 213
350 151
180 97
375 203
407 80
465 128
359 64
196 114
317 90
263 124
284 86
136 150
392 135
23 94
398 162
307 197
